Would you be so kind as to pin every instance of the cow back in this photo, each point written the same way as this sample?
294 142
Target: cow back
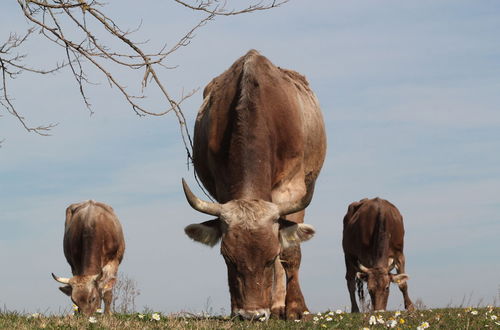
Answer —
93 237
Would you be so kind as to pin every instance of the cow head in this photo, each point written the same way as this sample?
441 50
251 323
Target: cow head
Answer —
378 280
252 235
85 291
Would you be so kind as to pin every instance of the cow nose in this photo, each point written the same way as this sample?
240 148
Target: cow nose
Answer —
253 315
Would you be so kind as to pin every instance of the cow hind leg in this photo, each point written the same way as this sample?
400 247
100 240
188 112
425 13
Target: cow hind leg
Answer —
350 277
404 286
279 291
295 305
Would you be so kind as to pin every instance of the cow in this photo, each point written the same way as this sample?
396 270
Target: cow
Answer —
93 246
259 144
373 239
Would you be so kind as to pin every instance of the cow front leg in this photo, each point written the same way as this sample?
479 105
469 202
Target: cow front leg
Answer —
295 305
279 291
107 298
404 286
350 277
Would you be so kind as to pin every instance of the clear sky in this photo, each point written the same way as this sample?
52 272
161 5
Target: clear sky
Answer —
410 92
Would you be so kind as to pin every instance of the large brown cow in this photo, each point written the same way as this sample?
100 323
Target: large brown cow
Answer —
94 247
259 144
373 245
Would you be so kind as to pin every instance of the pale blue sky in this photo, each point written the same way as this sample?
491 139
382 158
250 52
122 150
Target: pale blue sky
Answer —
410 93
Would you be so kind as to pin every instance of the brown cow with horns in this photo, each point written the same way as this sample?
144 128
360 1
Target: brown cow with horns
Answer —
93 246
259 144
373 245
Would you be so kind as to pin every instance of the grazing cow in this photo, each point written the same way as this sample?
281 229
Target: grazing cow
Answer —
373 245
259 144
94 247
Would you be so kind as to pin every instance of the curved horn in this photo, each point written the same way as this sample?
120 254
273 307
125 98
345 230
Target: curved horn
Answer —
298 205
362 268
62 280
198 204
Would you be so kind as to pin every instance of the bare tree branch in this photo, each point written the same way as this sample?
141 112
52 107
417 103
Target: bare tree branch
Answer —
218 7
12 65
66 23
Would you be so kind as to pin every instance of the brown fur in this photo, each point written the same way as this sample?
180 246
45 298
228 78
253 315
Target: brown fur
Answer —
93 246
374 237
259 140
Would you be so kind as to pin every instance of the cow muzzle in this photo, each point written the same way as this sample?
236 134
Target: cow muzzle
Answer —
261 314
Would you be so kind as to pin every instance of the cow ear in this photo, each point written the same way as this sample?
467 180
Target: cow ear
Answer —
67 289
399 278
107 284
292 233
208 232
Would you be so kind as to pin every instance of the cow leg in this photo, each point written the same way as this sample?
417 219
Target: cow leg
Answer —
108 298
404 286
107 283
350 277
279 291
295 305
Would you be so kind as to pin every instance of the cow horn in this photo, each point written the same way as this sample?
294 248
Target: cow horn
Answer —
298 205
198 204
62 280
362 268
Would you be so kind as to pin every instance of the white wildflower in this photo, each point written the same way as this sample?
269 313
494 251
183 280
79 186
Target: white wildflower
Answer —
422 326
306 313
474 312
331 313
99 310
155 316
397 313
391 323
329 319
493 317
338 311
92 319
372 320
315 319
262 319
297 321
34 315
141 316
380 319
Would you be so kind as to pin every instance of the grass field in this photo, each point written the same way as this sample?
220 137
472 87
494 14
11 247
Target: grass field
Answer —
449 318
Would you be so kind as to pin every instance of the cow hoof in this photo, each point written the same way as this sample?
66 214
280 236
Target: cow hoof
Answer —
278 313
297 314
410 308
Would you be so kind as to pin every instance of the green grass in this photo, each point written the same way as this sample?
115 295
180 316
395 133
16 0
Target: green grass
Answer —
448 318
